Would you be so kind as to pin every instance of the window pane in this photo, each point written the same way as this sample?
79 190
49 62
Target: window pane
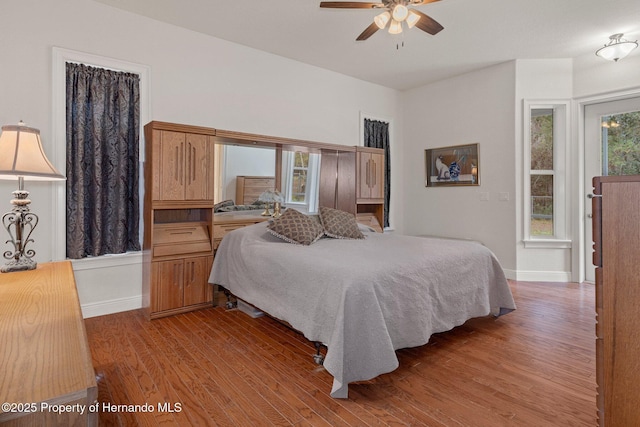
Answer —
542 139
541 205
301 160
621 144
299 181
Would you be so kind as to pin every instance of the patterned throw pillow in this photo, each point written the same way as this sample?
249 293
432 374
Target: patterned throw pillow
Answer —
298 228
339 224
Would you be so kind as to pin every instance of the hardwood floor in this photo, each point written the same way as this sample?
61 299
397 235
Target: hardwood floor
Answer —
532 367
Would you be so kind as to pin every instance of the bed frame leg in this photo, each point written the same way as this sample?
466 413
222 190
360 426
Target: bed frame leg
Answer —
318 357
229 304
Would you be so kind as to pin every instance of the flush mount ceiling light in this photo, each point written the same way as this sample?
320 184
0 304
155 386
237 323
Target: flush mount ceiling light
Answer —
617 48
396 12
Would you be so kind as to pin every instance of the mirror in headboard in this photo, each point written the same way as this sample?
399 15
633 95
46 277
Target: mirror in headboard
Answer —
244 171
298 169
233 161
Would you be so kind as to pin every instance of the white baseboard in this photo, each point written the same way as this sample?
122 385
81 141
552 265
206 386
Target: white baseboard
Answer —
539 276
111 306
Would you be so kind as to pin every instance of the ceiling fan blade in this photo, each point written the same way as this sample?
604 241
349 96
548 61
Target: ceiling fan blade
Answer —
368 32
350 5
428 24
419 2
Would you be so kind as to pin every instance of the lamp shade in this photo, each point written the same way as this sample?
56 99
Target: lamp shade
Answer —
400 12
382 19
21 155
395 27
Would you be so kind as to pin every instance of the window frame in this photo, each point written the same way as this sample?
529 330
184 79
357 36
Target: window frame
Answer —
561 145
60 57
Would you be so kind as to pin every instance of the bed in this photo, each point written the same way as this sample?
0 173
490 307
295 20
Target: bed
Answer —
363 298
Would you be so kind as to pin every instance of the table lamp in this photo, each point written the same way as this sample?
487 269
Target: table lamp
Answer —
22 157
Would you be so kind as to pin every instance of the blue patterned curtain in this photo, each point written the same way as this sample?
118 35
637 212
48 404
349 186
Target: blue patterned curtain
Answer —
102 161
376 135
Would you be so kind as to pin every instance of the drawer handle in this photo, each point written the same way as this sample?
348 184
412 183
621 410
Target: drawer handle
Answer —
181 231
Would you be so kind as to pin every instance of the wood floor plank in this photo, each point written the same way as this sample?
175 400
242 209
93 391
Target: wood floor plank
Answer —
186 389
532 367
295 352
244 368
272 375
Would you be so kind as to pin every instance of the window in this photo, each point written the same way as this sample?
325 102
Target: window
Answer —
546 142
299 174
621 144
542 172
60 59
103 115
300 179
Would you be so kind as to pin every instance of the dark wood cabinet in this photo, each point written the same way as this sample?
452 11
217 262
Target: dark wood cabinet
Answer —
338 180
616 231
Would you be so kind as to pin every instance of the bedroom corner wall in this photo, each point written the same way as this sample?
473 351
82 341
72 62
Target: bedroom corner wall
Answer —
195 79
475 107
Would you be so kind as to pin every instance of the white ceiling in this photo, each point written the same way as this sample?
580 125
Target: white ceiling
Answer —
476 33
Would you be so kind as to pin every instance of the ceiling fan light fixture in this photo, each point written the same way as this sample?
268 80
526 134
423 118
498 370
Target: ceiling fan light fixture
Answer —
395 27
400 12
412 19
382 19
617 48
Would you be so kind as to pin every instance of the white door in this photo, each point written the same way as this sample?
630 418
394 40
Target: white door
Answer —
614 125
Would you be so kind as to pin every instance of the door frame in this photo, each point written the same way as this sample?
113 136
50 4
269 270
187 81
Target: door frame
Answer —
578 205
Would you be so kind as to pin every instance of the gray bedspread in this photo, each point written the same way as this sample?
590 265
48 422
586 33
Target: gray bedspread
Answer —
366 298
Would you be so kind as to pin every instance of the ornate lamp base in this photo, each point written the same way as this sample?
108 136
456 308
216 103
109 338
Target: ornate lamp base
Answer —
21 264
19 223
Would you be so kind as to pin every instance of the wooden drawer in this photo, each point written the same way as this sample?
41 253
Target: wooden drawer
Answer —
181 238
220 229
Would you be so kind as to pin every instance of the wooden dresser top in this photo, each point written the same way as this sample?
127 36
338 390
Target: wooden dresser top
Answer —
44 352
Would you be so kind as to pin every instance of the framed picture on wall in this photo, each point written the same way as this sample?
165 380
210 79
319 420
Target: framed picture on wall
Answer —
452 166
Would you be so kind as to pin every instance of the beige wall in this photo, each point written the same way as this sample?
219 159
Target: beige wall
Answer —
475 107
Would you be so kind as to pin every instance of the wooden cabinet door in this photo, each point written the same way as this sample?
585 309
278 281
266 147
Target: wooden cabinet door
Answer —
370 175
168 279
171 173
196 275
198 167
376 176
338 180
328 170
346 200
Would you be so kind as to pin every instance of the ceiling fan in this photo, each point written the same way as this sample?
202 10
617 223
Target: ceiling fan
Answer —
395 11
